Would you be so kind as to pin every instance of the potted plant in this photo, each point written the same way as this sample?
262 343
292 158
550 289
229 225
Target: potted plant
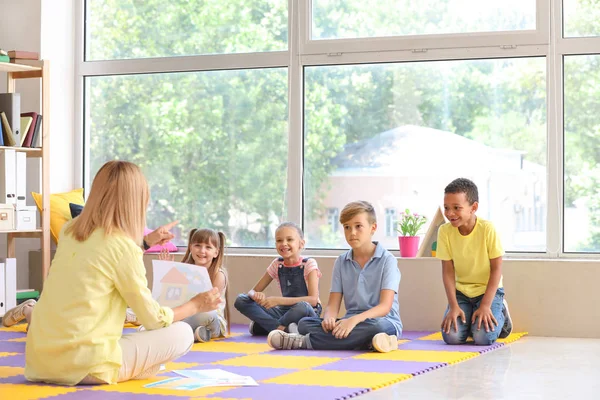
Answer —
408 227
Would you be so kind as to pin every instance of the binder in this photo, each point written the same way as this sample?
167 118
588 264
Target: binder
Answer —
10 104
10 282
8 185
2 291
21 178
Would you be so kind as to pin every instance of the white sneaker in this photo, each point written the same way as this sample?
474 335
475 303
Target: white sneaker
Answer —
293 328
384 343
16 314
202 334
280 340
131 318
508 325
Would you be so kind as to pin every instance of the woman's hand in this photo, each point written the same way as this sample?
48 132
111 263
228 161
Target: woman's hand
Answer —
165 255
207 301
160 235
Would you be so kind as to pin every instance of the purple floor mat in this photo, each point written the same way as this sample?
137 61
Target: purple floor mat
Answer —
295 379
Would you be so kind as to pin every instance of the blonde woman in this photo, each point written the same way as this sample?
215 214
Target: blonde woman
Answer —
75 330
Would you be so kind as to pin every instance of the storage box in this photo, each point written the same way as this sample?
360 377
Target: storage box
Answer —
7 217
26 219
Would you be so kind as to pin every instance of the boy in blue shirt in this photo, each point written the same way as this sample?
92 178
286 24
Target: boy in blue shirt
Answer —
471 255
367 277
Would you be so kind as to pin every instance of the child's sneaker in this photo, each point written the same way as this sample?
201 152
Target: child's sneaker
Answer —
256 330
131 318
293 328
384 343
280 340
202 334
508 325
16 314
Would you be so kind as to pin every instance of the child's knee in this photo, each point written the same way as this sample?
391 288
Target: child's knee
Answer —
242 300
454 337
483 338
305 324
303 306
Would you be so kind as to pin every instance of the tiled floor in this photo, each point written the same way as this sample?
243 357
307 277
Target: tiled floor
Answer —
532 368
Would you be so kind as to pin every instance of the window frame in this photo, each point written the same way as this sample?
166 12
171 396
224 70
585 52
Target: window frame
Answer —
546 41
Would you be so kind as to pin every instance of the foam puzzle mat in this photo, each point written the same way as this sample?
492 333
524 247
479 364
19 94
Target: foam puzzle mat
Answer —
289 375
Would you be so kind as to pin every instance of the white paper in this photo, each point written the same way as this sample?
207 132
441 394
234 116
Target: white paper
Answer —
207 374
174 283
216 377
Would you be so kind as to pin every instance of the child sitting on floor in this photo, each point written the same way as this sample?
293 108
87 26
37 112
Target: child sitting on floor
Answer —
367 277
298 279
205 249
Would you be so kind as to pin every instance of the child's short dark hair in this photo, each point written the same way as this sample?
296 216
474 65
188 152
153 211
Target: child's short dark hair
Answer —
291 225
466 186
350 210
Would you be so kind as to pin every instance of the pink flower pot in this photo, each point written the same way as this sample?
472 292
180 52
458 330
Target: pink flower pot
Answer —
409 245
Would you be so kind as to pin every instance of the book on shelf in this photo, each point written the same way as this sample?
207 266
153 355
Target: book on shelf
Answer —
23 55
7 134
35 136
25 125
28 135
4 58
31 63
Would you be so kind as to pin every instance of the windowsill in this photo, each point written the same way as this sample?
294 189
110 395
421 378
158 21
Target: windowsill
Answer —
334 253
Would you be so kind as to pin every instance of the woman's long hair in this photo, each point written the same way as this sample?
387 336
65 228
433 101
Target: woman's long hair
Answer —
117 203
216 239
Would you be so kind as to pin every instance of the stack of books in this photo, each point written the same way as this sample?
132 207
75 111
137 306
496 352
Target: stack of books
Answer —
23 57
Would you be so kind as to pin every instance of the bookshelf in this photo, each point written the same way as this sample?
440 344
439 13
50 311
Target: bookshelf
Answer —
41 70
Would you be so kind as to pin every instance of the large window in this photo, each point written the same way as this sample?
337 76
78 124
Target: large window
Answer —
247 113
122 29
213 150
343 19
397 134
582 157
581 18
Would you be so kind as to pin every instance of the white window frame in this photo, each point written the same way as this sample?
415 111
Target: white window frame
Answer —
546 40
423 43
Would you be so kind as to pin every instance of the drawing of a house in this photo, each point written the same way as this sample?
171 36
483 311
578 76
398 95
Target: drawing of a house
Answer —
174 288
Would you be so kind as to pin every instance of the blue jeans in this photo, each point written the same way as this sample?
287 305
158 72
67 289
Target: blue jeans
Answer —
208 319
469 306
359 339
270 319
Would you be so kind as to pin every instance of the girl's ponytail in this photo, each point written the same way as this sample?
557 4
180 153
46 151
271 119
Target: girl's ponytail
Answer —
219 265
187 257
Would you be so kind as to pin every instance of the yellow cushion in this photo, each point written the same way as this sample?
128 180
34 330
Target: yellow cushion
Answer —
59 208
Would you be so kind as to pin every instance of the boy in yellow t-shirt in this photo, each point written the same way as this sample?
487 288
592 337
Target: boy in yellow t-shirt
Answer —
471 255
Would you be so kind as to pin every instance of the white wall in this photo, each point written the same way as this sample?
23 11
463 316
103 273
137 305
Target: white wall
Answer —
49 30
546 297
